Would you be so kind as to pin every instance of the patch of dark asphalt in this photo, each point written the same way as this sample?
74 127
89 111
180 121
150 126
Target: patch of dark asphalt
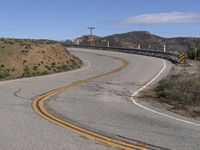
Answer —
117 83
17 94
122 83
81 100
150 146
108 87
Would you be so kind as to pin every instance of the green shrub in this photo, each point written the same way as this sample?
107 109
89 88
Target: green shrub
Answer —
191 53
44 73
24 61
4 73
26 72
180 90
49 68
53 64
35 68
13 69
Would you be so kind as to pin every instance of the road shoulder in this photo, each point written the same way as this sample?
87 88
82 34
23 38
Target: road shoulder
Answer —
189 71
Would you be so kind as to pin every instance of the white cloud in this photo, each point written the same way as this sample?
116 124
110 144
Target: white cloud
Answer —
161 18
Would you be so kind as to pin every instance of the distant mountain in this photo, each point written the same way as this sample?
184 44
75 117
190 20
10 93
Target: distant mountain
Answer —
145 39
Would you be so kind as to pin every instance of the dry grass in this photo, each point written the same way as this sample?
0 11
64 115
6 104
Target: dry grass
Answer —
25 58
180 90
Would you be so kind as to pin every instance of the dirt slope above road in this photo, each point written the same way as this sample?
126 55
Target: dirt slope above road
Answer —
25 58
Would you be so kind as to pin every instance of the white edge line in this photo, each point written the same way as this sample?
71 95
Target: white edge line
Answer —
153 111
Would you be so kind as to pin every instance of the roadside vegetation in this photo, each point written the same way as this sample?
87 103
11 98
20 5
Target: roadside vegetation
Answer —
182 89
26 58
191 53
4 72
194 50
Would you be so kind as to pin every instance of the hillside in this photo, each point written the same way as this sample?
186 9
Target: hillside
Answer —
25 58
145 39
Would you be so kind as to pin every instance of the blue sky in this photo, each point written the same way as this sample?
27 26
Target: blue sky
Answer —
67 19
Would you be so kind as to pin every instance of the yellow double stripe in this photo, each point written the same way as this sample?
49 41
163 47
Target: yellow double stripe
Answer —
39 108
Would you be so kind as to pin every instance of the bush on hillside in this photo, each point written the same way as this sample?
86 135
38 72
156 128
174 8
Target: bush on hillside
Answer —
191 53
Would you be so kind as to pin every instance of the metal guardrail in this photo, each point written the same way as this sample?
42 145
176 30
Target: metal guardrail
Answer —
174 58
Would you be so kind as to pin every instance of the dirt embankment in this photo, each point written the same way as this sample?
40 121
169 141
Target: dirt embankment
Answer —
26 58
179 92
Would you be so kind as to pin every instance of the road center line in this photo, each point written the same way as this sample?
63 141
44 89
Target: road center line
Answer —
39 108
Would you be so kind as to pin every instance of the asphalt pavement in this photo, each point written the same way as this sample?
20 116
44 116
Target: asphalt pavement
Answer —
102 106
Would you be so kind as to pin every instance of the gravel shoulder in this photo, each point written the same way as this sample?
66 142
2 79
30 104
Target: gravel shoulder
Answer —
184 74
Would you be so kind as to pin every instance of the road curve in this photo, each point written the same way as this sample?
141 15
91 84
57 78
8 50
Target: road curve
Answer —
102 105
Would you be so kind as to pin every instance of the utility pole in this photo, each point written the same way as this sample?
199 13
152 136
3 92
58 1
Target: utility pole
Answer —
91 38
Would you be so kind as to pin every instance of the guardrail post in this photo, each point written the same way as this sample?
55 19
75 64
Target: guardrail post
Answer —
173 57
108 44
139 46
164 47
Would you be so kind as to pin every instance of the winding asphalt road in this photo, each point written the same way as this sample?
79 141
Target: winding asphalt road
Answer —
101 105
